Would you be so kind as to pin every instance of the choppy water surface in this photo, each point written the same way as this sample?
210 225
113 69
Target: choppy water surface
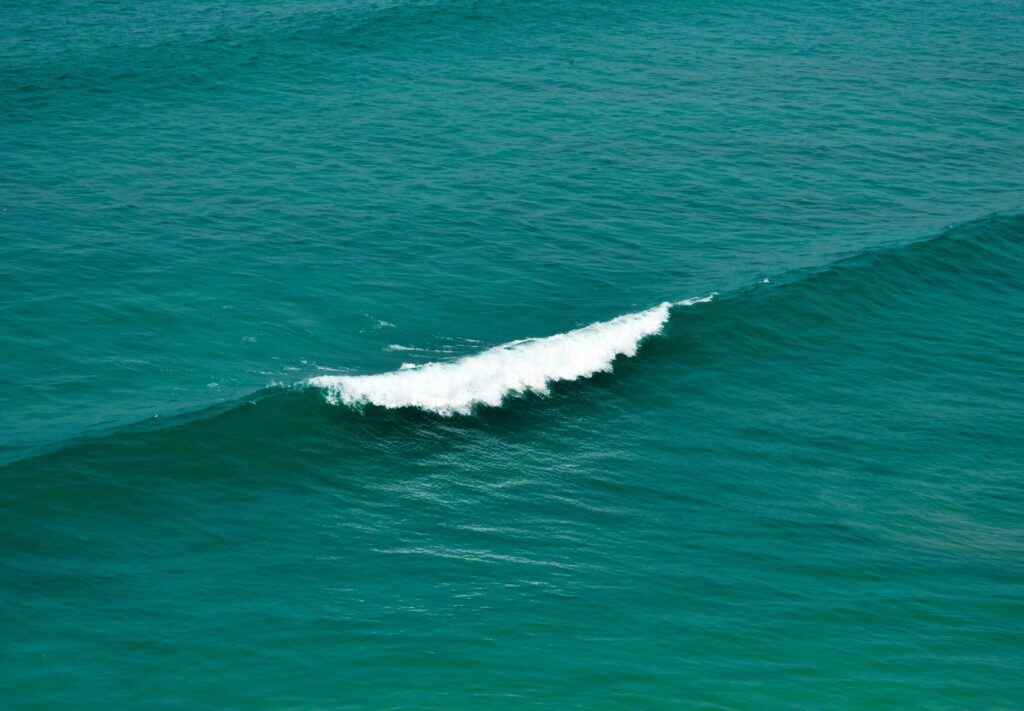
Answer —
364 355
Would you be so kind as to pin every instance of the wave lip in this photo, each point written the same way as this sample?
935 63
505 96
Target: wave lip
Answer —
515 368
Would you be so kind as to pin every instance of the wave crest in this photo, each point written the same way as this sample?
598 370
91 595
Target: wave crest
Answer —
515 368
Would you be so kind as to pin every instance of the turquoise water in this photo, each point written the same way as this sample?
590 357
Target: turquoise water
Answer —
500 355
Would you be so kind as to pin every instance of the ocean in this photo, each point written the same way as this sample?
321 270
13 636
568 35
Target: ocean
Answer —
397 354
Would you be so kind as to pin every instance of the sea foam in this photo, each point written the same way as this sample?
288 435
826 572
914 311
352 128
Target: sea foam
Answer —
515 368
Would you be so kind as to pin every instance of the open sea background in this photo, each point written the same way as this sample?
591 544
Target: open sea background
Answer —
807 492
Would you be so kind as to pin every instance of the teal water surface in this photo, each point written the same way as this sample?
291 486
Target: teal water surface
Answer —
500 355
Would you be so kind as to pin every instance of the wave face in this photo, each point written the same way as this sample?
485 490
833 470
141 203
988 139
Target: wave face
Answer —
515 368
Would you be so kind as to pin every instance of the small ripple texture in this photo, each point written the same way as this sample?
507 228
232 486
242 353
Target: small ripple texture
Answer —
551 354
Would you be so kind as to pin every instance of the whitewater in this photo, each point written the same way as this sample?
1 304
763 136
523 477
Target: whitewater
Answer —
511 369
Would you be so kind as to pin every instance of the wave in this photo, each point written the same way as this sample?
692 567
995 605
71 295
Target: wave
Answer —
965 262
511 369
174 55
532 365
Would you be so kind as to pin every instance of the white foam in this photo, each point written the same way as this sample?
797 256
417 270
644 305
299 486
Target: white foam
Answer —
697 300
515 368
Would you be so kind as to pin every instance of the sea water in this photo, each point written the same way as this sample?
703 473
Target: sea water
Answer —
491 354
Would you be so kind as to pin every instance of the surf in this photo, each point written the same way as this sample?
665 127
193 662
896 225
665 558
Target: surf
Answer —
512 369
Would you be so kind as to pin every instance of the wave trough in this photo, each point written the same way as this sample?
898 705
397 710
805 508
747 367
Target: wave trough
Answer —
511 369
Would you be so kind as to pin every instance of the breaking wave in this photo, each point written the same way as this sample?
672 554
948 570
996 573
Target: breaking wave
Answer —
511 369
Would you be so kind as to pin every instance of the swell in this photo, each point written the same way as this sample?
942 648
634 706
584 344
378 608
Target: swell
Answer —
975 247
200 59
977 262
